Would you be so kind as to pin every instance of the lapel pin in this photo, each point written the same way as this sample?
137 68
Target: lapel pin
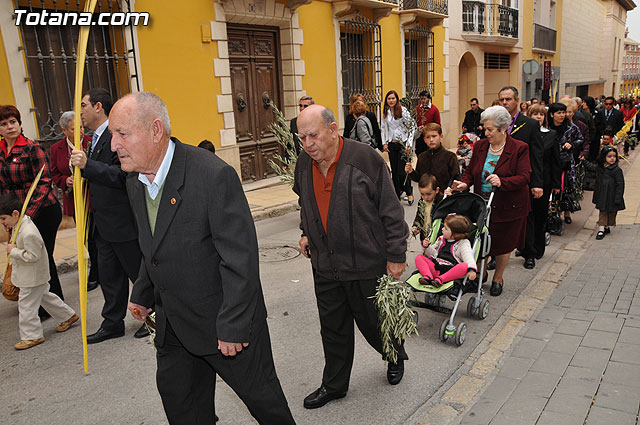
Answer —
173 201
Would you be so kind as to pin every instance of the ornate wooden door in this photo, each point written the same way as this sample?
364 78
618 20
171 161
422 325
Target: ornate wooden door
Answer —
254 58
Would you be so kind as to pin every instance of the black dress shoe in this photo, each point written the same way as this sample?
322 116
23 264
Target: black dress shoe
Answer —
320 397
92 285
567 220
496 289
607 230
491 265
529 263
103 335
395 372
142 332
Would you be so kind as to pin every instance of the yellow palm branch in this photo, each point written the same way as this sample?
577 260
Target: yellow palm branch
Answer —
79 184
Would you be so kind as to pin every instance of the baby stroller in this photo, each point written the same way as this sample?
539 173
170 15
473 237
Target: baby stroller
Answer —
555 224
474 207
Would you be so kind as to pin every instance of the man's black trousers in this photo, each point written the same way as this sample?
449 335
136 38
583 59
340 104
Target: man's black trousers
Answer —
339 303
186 382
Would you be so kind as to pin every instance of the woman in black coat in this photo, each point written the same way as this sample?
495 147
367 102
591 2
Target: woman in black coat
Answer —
350 120
551 182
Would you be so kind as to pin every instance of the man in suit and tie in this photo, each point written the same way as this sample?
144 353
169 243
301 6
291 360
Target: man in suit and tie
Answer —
199 269
527 130
612 117
112 224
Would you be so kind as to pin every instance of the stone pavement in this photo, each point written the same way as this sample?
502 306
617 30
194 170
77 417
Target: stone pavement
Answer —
577 359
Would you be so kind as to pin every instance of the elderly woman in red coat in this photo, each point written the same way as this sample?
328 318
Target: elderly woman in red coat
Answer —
503 162
62 176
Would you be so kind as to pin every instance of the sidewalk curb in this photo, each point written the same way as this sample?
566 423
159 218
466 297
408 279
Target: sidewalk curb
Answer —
450 403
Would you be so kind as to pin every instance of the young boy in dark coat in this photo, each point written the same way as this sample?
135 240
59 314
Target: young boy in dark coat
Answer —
608 194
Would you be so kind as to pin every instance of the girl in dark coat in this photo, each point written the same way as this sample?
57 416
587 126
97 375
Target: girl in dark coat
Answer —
608 194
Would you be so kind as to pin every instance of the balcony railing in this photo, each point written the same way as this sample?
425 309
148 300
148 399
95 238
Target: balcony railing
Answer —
489 19
435 6
544 38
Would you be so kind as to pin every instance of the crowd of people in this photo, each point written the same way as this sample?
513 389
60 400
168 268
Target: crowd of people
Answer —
158 223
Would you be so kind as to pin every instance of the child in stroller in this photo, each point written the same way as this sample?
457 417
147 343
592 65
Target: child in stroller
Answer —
451 257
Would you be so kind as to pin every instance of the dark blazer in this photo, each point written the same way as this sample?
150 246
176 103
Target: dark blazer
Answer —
200 267
511 201
615 121
350 121
552 172
60 171
112 214
294 132
472 121
530 134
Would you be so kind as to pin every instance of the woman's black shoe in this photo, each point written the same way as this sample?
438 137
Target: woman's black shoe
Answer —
496 289
491 265
607 230
567 220
529 263
410 200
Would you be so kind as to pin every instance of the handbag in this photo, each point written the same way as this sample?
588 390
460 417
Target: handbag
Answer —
9 291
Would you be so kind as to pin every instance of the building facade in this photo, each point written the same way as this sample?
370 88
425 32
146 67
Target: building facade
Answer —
218 65
485 54
630 67
592 46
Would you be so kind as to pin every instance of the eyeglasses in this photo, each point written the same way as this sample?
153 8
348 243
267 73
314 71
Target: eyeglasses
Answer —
303 106
608 103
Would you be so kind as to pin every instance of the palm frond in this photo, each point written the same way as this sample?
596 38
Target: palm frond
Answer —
283 166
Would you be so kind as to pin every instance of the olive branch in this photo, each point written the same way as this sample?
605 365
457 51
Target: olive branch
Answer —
395 317
285 165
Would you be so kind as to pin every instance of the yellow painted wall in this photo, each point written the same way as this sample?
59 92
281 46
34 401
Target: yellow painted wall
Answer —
439 59
6 90
391 54
178 67
319 53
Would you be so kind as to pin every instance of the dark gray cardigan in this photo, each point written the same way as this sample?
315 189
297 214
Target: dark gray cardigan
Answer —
365 224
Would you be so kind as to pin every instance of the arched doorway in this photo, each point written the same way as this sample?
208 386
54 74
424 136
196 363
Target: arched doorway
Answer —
468 83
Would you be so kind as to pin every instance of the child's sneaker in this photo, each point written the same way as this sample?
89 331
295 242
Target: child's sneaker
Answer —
28 343
67 323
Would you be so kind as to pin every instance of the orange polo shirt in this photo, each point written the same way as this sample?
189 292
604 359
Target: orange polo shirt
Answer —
322 185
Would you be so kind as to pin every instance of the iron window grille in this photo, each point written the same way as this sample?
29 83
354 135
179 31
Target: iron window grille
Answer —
419 62
361 54
51 56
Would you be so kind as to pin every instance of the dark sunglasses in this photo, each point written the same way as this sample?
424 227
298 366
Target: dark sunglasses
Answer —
303 106
608 103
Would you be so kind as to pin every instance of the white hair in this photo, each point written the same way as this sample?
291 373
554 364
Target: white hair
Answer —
152 106
498 114
65 119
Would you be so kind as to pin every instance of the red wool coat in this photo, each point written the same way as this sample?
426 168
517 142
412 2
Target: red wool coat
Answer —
60 170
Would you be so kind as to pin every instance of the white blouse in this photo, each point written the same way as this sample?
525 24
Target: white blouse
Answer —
397 129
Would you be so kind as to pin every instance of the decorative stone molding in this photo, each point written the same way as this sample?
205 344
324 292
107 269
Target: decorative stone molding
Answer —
267 13
381 9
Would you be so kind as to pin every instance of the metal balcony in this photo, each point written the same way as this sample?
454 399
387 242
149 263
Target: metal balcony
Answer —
440 7
489 23
544 38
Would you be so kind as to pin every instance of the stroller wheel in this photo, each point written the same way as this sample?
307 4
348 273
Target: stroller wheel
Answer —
484 310
443 330
461 334
472 306
547 238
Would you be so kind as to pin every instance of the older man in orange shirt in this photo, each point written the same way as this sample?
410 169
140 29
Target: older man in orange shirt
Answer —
353 230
